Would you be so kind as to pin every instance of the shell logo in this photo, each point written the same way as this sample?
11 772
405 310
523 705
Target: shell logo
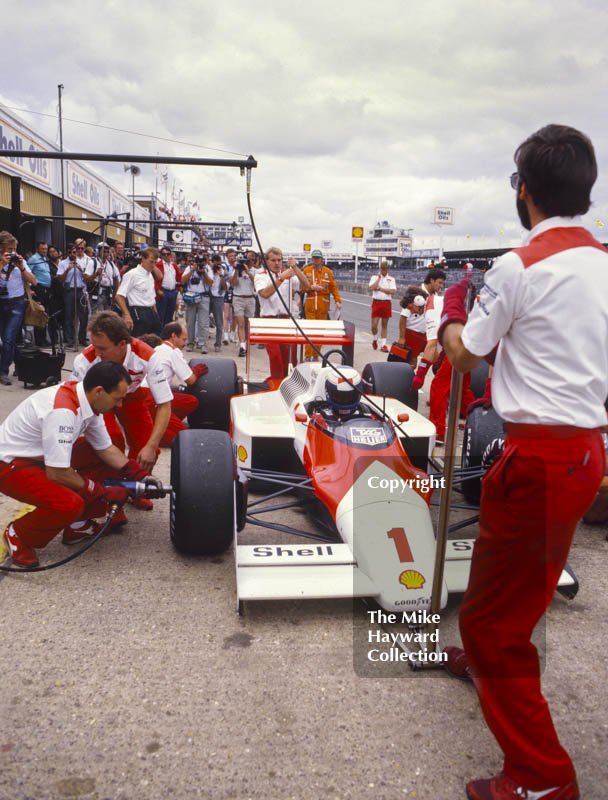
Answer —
412 579
242 453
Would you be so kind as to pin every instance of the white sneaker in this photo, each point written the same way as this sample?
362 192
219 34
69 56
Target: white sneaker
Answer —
232 337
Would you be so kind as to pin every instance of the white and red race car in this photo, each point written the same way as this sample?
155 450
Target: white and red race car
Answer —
357 462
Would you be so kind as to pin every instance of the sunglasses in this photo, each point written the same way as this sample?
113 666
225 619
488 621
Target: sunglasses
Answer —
514 180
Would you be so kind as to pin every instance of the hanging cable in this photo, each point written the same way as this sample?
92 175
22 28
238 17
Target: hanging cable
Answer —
368 399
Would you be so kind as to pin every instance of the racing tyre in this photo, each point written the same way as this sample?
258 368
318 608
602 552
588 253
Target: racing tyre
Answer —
213 392
478 379
483 426
201 519
391 379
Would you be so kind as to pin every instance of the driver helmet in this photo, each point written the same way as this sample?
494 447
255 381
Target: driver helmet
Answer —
341 396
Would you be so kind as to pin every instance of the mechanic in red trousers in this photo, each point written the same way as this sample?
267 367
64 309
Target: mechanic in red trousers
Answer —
549 383
434 356
287 281
112 341
169 351
39 444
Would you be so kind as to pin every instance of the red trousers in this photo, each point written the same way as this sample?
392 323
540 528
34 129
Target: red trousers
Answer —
440 394
134 416
315 313
56 506
181 405
532 498
415 340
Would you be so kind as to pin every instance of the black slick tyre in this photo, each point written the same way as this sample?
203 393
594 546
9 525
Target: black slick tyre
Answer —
201 518
391 379
482 427
478 379
213 391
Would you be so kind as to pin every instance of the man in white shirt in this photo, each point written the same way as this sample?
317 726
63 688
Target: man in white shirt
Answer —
287 281
383 287
169 355
167 290
39 448
71 273
550 382
136 295
103 277
412 326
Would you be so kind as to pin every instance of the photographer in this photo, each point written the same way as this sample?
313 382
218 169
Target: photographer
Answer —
167 286
39 266
71 273
197 279
102 278
243 297
13 274
217 291
229 322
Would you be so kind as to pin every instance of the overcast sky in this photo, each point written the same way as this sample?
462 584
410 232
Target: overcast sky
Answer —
356 112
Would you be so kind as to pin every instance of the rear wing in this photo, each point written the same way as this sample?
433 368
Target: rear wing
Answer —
273 330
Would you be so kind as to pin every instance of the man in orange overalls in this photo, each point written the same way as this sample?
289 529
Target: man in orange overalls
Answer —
322 286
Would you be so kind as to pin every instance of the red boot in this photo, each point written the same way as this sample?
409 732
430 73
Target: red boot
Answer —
21 554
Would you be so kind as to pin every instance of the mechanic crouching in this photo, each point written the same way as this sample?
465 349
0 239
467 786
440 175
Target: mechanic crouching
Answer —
39 443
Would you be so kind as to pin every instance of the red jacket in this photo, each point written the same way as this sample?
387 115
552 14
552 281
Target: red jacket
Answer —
160 265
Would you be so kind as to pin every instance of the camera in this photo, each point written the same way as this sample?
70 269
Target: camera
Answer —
3 291
195 280
242 264
200 260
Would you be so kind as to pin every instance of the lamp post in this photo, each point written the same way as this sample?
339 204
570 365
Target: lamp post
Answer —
134 170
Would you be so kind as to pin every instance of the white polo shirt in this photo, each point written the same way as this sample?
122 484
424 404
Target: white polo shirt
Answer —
172 362
109 271
432 317
137 287
386 282
46 425
547 305
416 322
140 362
272 306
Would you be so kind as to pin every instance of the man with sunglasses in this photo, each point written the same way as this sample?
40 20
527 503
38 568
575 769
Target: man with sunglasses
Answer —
166 287
550 382
71 272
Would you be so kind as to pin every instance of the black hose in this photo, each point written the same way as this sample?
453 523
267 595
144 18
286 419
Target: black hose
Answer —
71 557
374 405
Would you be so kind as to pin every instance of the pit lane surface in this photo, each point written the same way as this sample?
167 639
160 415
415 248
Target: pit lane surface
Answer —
127 675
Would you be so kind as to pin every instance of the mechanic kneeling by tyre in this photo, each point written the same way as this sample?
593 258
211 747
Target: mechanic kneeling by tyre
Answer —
172 362
39 447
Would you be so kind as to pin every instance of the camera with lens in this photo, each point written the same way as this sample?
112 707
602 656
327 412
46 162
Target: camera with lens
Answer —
195 280
242 264
201 260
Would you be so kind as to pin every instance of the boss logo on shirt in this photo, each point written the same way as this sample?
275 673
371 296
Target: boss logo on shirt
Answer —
66 429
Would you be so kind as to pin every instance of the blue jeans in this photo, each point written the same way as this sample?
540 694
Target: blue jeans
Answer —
11 319
217 309
165 306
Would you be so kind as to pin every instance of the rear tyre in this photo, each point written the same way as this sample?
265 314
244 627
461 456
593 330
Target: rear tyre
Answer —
391 379
482 427
213 392
201 519
478 379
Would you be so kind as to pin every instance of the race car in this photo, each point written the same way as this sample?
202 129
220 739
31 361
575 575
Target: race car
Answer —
354 453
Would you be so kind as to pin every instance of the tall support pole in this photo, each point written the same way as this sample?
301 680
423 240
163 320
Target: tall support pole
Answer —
59 91
356 260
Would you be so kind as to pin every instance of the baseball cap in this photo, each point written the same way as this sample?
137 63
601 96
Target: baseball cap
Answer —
316 254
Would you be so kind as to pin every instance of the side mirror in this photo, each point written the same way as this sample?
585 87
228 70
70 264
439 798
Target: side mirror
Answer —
301 417
403 417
